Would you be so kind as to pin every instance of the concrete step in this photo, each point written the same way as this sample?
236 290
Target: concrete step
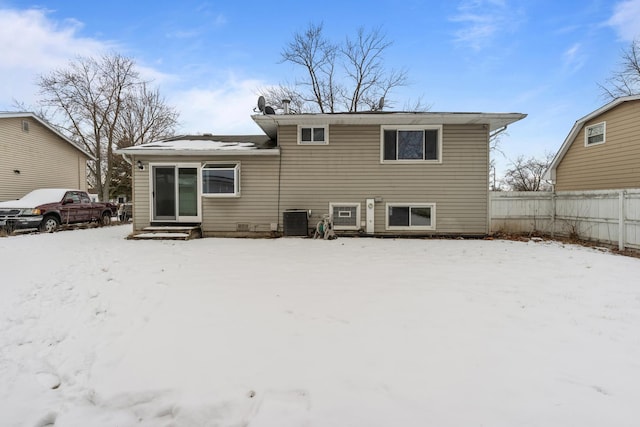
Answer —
168 232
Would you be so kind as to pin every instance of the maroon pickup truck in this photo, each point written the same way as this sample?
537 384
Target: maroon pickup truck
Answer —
48 208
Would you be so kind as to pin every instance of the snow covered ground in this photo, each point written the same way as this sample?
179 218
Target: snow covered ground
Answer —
99 331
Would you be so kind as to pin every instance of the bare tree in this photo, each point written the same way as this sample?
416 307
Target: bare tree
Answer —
525 174
626 80
97 102
364 67
350 76
495 138
317 55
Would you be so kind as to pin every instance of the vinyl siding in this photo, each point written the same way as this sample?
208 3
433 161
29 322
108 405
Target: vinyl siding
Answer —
348 169
255 209
612 165
43 159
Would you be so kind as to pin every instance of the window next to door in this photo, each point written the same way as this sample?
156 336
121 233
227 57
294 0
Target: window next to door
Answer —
221 180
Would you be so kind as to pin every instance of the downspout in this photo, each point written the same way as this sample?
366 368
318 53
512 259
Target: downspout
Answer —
489 200
497 132
126 159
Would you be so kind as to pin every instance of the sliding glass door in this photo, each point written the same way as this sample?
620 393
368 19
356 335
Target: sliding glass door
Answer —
175 193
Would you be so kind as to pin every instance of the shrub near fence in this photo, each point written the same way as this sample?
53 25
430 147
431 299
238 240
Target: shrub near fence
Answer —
607 216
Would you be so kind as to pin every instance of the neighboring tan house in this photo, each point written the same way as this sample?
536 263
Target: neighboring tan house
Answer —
35 155
602 151
376 173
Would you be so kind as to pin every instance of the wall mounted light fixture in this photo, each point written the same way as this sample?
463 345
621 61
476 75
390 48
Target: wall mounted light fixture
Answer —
140 165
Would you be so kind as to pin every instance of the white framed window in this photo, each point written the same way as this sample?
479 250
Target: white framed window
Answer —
313 135
346 216
221 180
411 144
595 134
411 216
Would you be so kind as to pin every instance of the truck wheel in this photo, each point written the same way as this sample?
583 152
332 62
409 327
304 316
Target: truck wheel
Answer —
105 219
49 224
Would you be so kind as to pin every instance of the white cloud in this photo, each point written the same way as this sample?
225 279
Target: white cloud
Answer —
33 45
626 19
574 58
221 109
483 20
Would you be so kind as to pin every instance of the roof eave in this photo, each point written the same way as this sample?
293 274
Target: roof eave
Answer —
269 123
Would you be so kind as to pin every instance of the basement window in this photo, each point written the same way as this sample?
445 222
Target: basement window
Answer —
411 216
346 216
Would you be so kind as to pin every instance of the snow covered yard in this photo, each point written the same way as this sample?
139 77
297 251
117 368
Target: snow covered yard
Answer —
96 330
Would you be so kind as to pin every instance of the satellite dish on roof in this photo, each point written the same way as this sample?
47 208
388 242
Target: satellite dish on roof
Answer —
261 103
269 110
381 103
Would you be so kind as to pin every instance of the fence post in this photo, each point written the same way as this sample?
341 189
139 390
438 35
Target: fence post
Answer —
622 234
553 214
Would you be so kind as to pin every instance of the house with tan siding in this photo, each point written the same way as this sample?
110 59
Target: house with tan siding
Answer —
602 150
375 173
34 155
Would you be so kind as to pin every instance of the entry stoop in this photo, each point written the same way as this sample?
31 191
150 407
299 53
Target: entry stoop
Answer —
169 232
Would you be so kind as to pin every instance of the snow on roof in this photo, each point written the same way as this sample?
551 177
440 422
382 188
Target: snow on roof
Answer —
37 198
202 145
196 145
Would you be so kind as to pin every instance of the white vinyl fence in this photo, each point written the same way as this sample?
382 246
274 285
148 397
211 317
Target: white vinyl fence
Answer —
607 216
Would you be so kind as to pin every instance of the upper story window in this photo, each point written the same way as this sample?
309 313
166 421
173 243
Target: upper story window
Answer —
25 126
313 135
595 134
411 144
221 180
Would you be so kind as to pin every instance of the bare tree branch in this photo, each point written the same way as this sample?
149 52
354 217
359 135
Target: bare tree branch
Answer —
525 174
350 76
626 80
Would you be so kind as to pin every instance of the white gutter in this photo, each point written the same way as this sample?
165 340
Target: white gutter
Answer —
170 152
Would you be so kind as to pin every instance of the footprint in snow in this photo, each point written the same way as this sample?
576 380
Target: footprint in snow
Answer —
47 421
48 379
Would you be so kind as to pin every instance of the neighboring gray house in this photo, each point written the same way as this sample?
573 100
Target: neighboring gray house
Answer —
376 173
34 155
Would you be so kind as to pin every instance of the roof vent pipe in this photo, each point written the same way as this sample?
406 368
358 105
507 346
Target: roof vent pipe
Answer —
285 105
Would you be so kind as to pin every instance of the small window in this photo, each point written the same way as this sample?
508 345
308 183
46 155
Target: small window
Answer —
346 216
25 126
313 135
221 180
411 216
595 134
411 144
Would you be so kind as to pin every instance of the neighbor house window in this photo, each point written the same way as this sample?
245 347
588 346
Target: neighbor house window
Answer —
411 216
221 179
346 216
411 143
595 134
25 126
313 135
